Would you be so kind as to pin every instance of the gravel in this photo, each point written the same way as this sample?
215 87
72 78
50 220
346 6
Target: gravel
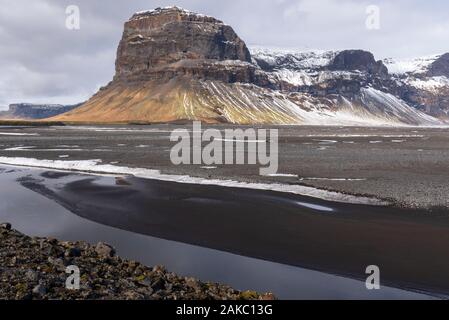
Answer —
35 268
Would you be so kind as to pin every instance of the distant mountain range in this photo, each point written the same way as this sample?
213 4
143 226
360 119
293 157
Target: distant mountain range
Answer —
173 64
35 111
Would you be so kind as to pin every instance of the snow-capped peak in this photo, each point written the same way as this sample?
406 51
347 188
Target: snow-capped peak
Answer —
160 10
293 59
410 66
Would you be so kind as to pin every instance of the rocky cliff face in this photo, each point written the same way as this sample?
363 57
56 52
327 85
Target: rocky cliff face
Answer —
173 64
168 42
440 67
358 60
423 83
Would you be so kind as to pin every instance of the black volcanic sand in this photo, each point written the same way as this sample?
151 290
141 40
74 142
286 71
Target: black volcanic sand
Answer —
409 246
408 166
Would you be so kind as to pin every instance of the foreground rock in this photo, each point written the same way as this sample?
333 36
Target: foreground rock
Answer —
35 268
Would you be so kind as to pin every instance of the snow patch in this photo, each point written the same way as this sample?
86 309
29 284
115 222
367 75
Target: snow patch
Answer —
298 59
333 179
283 175
96 166
314 206
142 14
17 134
414 65
20 148
430 84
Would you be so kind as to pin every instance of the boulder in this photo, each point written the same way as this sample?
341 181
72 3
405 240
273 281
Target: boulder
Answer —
104 250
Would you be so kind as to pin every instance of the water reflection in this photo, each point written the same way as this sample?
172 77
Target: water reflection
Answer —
36 215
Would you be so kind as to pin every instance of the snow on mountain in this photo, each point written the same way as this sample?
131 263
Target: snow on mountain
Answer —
386 105
304 67
413 66
429 84
160 10
176 65
307 59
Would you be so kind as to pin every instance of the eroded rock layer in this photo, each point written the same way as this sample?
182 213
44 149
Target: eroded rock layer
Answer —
174 65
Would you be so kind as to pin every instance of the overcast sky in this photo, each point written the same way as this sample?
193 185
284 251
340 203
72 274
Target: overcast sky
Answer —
42 61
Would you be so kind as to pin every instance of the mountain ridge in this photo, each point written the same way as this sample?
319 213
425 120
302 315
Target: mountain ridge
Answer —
29 111
173 64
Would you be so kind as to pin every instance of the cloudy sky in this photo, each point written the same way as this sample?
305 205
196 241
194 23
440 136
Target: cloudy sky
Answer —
42 61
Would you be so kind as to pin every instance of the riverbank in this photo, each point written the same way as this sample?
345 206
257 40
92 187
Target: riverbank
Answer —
35 268
329 237
406 167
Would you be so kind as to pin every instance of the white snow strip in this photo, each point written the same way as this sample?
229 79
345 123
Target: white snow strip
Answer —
44 150
95 166
239 140
20 148
17 134
314 206
333 179
414 65
285 175
328 141
430 84
111 129
349 135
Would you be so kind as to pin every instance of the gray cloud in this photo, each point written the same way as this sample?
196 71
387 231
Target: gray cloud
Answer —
42 61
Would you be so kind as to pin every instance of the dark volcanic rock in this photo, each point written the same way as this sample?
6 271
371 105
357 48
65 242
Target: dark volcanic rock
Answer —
167 42
426 88
440 67
351 60
35 268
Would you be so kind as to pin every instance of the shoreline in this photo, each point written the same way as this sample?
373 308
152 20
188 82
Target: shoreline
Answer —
406 167
342 241
94 167
45 216
35 268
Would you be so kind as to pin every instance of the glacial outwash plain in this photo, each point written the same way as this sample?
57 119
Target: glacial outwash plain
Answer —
362 175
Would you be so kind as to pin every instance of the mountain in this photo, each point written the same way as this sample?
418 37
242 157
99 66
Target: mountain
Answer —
35 111
173 64
423 83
